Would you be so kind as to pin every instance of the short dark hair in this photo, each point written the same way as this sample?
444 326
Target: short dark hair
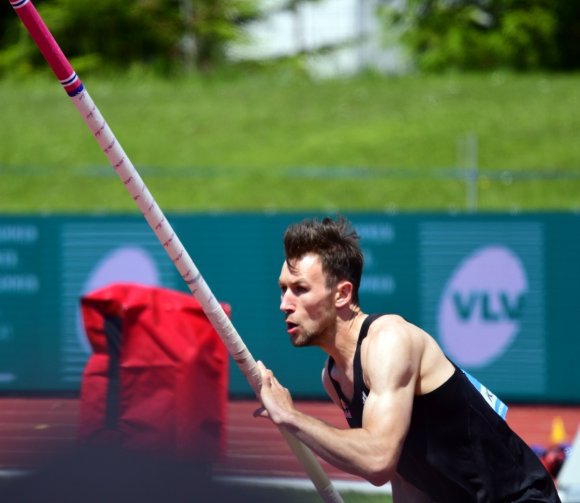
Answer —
336 243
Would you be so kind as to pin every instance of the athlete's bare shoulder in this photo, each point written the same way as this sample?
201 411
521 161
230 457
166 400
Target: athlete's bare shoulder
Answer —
390 354
393 340
394 328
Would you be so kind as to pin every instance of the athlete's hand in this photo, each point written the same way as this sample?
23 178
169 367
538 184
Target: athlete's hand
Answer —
276 400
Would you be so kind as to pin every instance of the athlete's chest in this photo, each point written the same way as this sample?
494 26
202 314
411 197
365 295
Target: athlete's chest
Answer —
345 380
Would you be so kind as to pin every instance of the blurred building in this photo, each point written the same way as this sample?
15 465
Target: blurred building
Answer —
336 37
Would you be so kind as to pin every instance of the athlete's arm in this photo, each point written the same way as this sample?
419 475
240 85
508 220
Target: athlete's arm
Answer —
391 363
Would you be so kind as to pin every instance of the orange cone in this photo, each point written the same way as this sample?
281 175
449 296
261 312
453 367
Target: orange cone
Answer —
558 434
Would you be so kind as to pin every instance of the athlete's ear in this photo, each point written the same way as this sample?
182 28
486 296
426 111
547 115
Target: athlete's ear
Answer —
343 293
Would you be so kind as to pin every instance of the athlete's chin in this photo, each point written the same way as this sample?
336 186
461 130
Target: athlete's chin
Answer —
300 341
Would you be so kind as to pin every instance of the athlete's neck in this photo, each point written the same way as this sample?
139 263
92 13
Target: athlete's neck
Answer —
347 330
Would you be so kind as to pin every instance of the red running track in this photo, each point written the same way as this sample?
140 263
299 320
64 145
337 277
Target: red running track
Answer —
33 429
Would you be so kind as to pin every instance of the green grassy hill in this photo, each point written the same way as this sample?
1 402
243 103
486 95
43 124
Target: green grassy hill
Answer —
284 142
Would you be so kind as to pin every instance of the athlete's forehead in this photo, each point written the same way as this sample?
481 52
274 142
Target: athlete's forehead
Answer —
306 268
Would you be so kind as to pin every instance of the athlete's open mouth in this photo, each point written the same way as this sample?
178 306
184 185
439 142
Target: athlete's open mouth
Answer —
291 326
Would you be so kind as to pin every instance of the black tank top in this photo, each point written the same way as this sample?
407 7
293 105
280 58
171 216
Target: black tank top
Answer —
457 449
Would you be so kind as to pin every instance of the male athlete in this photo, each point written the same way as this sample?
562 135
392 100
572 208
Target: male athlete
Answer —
414 417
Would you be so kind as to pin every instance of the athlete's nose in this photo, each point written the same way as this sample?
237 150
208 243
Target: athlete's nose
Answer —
285 302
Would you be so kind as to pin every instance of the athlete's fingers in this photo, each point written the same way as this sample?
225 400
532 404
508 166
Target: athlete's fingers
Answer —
261 412
266 374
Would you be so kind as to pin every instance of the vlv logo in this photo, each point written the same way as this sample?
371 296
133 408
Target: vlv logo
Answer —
482 306
490 306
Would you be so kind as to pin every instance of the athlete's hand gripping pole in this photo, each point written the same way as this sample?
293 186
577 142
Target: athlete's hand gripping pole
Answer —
160 226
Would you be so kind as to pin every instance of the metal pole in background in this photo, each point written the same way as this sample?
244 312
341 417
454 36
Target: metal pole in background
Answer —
468 161
187 41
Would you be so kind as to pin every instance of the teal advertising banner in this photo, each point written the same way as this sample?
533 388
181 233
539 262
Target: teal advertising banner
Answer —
498 291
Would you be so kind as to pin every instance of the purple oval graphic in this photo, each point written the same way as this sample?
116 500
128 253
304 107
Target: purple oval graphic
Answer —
482 305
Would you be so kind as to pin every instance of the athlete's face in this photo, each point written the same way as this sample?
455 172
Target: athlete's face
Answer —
306 301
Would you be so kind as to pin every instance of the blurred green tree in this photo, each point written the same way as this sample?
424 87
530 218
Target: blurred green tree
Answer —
214 25
163 35
478 34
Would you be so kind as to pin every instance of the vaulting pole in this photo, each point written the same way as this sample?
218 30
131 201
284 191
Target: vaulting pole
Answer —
160 226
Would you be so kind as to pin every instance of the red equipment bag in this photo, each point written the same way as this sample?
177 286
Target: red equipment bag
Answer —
157 380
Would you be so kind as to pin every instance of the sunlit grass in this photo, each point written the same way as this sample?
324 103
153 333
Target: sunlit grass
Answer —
264 142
